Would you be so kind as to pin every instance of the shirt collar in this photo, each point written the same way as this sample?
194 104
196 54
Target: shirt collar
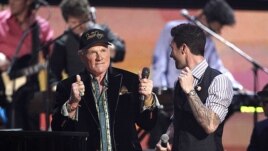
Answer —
199 70
105 80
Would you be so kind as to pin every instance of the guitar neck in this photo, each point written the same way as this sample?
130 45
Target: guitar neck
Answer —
28 71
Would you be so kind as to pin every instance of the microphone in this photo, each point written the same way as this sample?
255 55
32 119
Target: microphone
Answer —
92 11
38 3
164 140
185 13
145 74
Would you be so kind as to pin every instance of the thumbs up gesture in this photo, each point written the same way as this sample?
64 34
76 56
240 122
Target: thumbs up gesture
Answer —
78 90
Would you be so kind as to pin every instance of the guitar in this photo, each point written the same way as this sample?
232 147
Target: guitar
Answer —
17 77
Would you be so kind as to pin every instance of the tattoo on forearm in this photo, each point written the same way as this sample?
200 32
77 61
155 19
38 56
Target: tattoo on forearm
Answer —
205 116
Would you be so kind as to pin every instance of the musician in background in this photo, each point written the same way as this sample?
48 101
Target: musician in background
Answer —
259 137
79 17
216 14
22 33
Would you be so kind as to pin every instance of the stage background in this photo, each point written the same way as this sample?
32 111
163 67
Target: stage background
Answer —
140 28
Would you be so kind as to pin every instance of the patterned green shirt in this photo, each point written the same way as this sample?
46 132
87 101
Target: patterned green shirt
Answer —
101 102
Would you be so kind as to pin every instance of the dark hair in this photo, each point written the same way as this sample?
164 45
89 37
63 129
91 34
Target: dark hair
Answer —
191 35
220 11
75 8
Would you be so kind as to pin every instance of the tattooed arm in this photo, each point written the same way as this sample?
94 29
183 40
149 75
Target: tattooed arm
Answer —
207 119
220 93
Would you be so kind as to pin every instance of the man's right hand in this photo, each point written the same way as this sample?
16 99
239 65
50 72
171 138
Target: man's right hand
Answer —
158 147
77 91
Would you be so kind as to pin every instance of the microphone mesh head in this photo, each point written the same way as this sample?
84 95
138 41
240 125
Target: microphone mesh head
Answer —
184 12
164 138
145 72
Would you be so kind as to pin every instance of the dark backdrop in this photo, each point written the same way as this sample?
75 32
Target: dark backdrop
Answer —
236 4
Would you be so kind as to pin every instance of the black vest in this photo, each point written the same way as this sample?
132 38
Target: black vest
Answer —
188 134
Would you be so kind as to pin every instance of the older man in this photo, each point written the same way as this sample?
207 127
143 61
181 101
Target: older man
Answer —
104 101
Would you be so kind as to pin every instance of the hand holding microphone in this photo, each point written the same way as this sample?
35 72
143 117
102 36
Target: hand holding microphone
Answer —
146 85
163 145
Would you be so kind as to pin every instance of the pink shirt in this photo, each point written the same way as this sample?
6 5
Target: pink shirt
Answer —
11 33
